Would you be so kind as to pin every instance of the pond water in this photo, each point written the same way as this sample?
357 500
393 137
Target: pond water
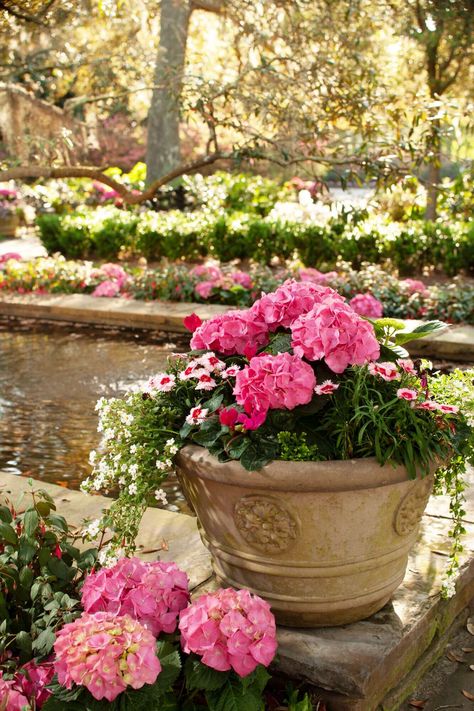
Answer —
49 384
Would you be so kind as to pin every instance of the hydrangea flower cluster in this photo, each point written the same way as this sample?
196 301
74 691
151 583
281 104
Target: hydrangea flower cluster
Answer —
229 629
282 381
212 278
151 592
28 689
367 305
231 333
106 654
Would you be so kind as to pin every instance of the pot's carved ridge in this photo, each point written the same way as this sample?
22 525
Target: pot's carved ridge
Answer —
412 507
265 524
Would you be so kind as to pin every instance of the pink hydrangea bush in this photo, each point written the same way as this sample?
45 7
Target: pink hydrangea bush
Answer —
229 629
28 689
106 654
151 592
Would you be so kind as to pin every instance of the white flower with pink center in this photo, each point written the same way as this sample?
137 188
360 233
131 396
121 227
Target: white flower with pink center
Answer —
427 405
211 362
407 394
326 388
197 416
387 371
230 372
406 364
205 382
190 370
163 383
448 409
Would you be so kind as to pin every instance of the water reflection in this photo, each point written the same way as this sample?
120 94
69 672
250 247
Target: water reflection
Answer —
49 384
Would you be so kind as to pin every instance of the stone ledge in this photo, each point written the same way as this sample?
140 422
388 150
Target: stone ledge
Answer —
83 308
163 534
455 343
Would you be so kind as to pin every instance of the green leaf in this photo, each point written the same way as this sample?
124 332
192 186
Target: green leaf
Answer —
280 343
26 551
87 559
43 508
232 697
30 522
5 514
43 644
392 352
26 577
429 328
213 403
170 665
199 676
239 445
7 533
23 642
58 522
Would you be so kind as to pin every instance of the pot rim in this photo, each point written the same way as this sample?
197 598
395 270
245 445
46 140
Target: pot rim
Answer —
281 475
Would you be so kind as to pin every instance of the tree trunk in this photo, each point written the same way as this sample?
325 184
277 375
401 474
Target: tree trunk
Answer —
434 173
163 144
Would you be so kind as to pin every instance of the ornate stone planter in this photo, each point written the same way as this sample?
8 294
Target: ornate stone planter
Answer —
9 225
326 543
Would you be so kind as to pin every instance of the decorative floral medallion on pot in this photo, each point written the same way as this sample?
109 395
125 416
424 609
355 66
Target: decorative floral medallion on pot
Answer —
278 531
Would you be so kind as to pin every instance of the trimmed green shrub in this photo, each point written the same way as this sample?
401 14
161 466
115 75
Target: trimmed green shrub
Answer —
410 246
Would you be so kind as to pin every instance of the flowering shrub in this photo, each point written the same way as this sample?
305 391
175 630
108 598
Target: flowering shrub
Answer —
372 291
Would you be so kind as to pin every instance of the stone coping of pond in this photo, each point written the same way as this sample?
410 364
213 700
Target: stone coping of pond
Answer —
455 343
371 665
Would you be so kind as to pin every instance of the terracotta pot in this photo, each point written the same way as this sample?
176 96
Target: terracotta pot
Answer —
326 543
9 225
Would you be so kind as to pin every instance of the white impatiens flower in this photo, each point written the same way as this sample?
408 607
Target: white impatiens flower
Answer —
132 489
133 471
160 495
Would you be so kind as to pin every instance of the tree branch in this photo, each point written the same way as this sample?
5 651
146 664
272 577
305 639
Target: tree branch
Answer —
208 5
96 173
35 19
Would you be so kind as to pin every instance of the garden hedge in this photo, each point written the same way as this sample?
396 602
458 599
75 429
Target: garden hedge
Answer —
411 246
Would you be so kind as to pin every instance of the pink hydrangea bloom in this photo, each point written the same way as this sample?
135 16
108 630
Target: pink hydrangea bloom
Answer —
115 272
333 331
229 629
12 697
242 278
152 593
274 381
204 289
367 305
315 276
407 394
387 371
414 286
208 271
106 654
231 332
34 679
107 288
292 299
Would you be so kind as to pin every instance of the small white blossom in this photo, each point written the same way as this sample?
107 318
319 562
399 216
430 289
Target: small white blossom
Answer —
126 418
161 466
133 449
92 530
92 456
132 489
133 471
160 495
448 588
